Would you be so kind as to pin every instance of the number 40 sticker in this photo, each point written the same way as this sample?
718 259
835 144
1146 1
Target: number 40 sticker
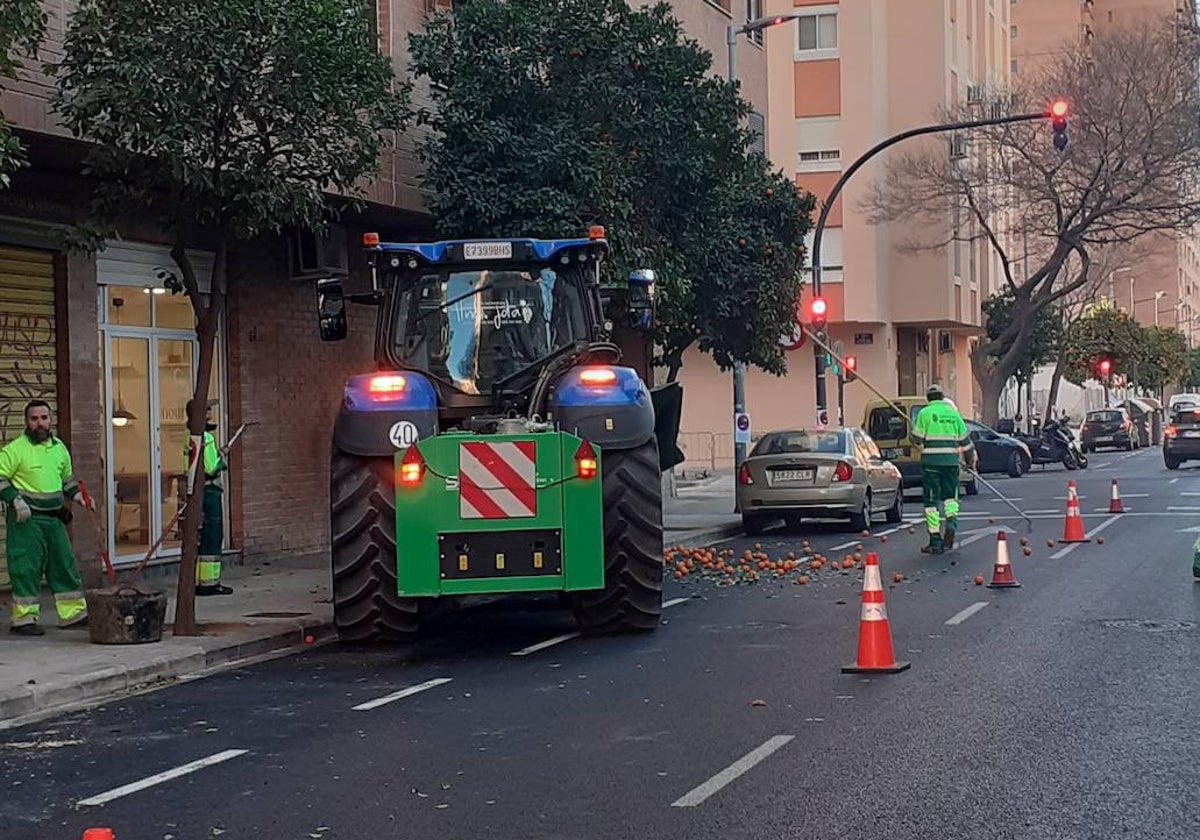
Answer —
403 434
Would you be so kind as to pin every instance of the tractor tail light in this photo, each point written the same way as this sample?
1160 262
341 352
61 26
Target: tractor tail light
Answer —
412 467
586 464
842 472
598 376
744 476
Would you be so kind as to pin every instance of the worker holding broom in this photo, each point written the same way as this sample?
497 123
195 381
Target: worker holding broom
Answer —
36 482
212 532
942 435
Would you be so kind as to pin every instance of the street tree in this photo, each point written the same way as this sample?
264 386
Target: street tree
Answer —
1104 332
22 26
224 121
549 116
1131 169
1192 377
1042 348
1163 360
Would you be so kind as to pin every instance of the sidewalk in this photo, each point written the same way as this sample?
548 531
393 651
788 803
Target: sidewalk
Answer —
274 606
702 511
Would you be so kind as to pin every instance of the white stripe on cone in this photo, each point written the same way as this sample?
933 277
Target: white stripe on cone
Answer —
874 612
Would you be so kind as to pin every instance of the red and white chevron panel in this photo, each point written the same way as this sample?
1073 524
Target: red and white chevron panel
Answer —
497 480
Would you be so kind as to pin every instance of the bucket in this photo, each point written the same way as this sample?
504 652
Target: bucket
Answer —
125 615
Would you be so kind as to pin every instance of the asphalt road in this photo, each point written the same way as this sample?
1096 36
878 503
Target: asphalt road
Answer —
1063 709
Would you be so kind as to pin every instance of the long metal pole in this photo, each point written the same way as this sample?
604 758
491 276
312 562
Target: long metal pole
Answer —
836 191
739 370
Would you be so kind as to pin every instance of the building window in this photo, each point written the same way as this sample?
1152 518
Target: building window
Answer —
758 127
1012 32
824 160
817 34
1013 67
754 11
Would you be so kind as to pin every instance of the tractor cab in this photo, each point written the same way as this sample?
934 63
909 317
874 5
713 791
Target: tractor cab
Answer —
484 320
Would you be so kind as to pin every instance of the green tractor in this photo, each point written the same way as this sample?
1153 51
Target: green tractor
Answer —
499 447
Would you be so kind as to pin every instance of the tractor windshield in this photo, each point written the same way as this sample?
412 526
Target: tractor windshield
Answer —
473 328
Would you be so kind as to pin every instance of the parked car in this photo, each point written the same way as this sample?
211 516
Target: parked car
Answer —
1110 427
893 434
999 453
1181 437
836 473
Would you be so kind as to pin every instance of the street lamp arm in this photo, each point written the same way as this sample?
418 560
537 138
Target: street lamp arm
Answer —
876 149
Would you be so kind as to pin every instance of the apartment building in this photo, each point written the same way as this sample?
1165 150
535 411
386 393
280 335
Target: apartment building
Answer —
1161 283
98 337
851 74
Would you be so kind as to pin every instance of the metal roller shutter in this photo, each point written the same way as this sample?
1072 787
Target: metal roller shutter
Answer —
28 359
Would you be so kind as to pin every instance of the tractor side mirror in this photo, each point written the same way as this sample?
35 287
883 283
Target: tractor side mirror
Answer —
331 309
641 298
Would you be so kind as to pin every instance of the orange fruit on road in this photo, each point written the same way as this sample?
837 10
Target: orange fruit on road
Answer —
979 580
1027 550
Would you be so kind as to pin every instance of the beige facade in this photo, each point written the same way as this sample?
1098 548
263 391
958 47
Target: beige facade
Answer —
1161 284
851 74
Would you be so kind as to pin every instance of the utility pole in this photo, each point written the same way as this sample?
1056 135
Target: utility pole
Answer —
739 369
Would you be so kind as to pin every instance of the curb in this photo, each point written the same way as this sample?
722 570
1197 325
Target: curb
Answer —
118 680
730 530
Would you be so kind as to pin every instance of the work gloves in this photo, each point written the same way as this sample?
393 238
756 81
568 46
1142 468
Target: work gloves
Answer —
21 509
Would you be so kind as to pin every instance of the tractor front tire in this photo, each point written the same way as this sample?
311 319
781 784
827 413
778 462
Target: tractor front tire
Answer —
362 523
631 599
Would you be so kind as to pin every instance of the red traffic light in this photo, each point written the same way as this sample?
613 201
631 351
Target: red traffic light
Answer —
1058 108
851 363
1104 367
817 310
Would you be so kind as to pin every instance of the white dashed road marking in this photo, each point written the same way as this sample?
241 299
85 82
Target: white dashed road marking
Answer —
400 695
738 768
159 778
962 615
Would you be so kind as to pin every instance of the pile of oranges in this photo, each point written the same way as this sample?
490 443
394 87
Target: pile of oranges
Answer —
726 568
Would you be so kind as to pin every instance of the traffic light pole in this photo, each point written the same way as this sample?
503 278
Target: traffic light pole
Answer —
818 353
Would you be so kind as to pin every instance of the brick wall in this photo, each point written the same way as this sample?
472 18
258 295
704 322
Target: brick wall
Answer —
282 376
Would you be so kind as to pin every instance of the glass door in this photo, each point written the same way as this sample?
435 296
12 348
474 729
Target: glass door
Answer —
132 520
150 358
175 378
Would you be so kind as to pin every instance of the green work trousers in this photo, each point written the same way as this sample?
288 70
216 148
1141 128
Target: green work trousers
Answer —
939 483
212 534
40 547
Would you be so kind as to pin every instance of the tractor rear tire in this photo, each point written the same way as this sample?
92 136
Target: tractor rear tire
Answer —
362 524
631 599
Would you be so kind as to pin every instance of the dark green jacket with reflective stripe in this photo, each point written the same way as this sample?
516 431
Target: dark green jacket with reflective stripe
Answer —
941 434
38 472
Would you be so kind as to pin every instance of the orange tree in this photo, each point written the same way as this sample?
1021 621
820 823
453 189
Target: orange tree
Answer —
552 115
226 120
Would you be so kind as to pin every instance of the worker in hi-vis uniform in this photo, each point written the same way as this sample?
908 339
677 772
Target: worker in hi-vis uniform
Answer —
942 435
36 483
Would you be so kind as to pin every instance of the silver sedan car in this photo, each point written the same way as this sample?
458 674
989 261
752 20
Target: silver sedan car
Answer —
835 473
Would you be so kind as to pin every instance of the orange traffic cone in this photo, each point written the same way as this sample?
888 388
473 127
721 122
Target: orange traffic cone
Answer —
874 638
1073 527
1115 506
98 834
1002 573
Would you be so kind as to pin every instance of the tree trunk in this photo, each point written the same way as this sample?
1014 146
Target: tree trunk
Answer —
208 318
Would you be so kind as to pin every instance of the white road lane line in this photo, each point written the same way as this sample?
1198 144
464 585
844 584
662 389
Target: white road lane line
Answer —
400 695
844 546
1011 499
674 602
159 778
1172 481
557 640
987 532
1185 492
1138 495
1183 509
962 615
1063 552
738 768
1106 510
